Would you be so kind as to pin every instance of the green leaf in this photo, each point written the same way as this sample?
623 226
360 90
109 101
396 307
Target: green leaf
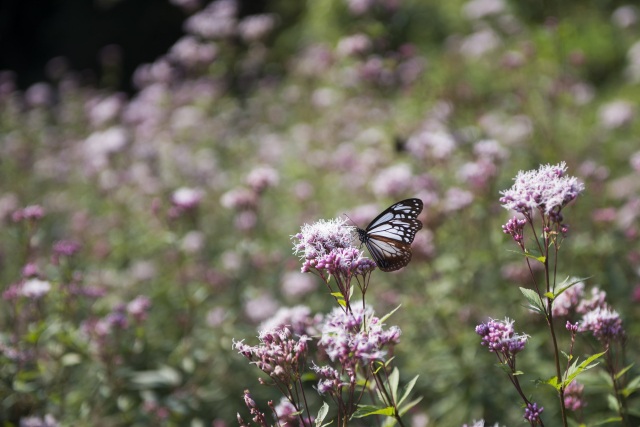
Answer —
535 303
309 377
553 382
623 371
575 370
406 390
634 384
565 285
322 414
71 359
165 376
25 387
338 297
608 421
540 258
368 410
386 316
408 406
634 411
613 403
394 380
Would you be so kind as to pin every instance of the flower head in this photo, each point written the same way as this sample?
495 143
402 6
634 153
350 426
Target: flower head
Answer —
532 412
187 198
330 381
139 307
278 354
262 177
345 339
604 323
35 288
573 400
288 414
346 262
597 300
298 319
547 189
320 238
66 247
500 337
30 213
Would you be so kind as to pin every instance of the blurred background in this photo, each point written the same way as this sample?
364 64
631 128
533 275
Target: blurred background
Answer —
157 156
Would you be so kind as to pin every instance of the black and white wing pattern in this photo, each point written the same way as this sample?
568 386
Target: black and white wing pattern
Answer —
389 236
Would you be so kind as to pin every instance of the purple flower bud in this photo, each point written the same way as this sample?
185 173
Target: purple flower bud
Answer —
515 228
573 399
572 327
532 412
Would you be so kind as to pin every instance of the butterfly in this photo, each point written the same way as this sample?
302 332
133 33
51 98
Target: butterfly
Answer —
388 237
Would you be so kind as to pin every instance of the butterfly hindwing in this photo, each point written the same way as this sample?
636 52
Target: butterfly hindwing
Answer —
389 236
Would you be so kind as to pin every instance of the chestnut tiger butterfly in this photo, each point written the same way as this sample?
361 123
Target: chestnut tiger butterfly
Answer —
389 236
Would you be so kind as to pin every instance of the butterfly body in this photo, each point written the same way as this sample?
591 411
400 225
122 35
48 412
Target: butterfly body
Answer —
389 236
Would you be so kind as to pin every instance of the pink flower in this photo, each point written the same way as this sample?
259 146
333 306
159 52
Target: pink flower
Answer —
546 189
187 198
30 213
616 114
35 288
262 177
139 307
256 27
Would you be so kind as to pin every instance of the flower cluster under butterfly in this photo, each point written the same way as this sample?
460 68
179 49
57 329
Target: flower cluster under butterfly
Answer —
389 236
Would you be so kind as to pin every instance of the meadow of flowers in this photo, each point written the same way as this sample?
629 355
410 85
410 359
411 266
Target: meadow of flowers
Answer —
180 256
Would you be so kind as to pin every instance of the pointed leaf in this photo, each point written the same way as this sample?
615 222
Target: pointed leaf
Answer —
322 413
634 384
608 421
394 380
566 285
574 370
409 405
540 258
623 371
368 410
535 303
388 362
553 382
406 390
613 403
386 316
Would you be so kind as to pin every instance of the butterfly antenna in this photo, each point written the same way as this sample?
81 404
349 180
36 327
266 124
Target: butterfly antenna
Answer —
349 218
354 224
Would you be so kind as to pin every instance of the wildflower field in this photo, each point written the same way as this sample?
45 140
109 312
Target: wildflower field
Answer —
187 254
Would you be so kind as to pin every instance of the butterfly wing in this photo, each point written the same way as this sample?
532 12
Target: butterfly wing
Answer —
389 255
389 236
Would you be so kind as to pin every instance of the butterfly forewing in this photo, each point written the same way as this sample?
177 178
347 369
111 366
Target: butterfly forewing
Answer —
389 236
